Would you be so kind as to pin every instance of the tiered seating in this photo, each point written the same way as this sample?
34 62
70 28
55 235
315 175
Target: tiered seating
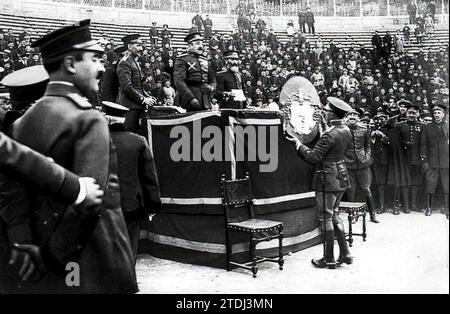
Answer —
345 39
348 39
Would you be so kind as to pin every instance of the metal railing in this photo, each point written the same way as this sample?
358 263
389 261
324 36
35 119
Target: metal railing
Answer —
274 8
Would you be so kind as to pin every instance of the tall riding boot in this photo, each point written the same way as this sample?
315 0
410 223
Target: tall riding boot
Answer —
344 252
429 210
371 207
405 196
381 208
414 191
396 201
328 260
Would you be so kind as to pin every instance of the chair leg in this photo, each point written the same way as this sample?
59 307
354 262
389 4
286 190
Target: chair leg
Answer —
253 256
229 250
364 229
280 250
350 229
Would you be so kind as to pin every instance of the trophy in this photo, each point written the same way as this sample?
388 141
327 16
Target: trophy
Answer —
300 106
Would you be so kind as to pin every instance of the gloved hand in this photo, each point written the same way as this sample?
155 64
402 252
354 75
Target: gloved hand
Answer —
195 105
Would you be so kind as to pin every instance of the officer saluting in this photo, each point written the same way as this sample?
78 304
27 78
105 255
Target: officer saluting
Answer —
331 180
194 78
230 80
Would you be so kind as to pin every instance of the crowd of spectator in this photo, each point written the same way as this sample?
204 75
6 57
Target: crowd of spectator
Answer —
367 78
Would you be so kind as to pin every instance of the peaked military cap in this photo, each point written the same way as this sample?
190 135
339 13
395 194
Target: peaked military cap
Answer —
193 37
131 39
439 107
413 105
404 102
66 39
231 54
26 85
358 111
120 50
114 110
337 105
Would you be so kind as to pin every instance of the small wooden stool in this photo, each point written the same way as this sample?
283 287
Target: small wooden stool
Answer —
354 211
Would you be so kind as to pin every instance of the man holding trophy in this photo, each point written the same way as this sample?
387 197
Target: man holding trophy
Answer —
330 179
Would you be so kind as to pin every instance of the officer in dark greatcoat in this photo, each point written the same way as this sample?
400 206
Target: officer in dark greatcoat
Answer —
230 80
194 78
330 180
410 134
434 154
77 137
358 159
20 258
131 91
139 187
380 155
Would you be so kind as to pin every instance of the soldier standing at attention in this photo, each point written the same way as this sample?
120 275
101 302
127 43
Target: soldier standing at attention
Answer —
434 153
410 134
131 91
194 78
359 159
331 180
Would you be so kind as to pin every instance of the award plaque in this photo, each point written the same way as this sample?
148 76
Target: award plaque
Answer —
299 103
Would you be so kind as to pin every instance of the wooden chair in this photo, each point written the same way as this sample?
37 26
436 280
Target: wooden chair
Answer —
236 196
355 211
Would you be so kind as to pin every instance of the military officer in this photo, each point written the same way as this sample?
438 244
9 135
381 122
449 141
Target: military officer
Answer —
139 187
131 90
330 180
230 80
434 154
25 87
380 155
410 133
194 78
76 136
358 159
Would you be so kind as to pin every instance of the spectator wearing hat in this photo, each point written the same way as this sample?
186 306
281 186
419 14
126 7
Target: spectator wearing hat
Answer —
166 36
154 35
411 8
139 187
302 21
434 154
76 136
195 81
309 16
131 91
410 134
208 24
229 81
330 180
358 158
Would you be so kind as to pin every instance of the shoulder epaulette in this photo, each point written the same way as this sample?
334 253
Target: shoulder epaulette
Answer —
80 101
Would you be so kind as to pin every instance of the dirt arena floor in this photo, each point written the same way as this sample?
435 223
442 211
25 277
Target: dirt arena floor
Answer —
402 254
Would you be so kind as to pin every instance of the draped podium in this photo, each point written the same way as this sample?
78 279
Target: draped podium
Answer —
192 150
